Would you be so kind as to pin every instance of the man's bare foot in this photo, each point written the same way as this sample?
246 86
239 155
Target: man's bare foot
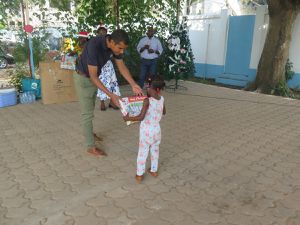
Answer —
96 151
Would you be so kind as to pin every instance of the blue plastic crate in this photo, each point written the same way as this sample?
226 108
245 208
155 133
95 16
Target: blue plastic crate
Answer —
8 97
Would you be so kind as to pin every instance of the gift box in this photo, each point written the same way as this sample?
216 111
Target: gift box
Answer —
132 105
68 62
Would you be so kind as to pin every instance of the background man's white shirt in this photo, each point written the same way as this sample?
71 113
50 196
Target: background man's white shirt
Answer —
154 44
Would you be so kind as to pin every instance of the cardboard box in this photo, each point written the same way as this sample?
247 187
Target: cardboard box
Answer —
57 84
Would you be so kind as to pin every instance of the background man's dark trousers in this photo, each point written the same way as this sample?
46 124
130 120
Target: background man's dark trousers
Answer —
148 68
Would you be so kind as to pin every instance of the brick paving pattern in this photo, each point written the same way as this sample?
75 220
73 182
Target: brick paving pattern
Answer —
227 157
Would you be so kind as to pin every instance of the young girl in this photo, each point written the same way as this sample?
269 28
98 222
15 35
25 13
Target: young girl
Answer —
150 134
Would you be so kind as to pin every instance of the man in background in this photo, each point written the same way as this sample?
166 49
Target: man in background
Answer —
149 48
101 30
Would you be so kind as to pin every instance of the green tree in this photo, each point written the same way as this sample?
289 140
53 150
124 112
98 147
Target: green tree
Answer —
39 43
271 67
131 15
12 7
8 8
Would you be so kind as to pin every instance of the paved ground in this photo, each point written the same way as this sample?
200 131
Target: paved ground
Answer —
228 157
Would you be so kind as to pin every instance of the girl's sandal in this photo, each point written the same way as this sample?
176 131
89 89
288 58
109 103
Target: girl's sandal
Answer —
153 174
139 178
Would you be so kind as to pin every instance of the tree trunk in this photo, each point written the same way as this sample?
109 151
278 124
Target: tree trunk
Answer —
177 9
117 13
188 5
271 67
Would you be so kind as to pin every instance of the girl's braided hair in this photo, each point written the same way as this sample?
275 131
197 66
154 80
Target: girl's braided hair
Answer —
157 83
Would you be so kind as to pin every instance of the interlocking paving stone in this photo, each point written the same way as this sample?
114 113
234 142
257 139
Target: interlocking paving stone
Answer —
204 216
143 195
228 157
108 211
140 213
172 215
127 202
121 219
295 220
16 202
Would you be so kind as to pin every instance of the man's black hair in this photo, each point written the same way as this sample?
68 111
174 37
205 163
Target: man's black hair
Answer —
120 36
101 28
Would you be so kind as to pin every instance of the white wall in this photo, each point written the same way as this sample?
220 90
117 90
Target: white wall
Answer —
295 46
259 36
208 38
214 7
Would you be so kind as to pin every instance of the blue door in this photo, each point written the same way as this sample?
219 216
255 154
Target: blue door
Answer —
239 44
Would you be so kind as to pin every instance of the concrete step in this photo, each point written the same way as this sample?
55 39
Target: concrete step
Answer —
238 83
234 76
233 80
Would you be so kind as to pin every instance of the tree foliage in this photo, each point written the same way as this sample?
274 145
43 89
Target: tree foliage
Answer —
134 17
39 43
8 8
131 15
134 14
13 7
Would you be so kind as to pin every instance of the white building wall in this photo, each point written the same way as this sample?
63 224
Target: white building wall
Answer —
208 38
294 53
259 36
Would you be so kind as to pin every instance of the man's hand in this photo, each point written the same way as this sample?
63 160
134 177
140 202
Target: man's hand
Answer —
137 89
150 50
143 48
126 74
115 99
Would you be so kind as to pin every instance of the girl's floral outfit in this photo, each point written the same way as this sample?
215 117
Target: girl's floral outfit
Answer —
150 136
